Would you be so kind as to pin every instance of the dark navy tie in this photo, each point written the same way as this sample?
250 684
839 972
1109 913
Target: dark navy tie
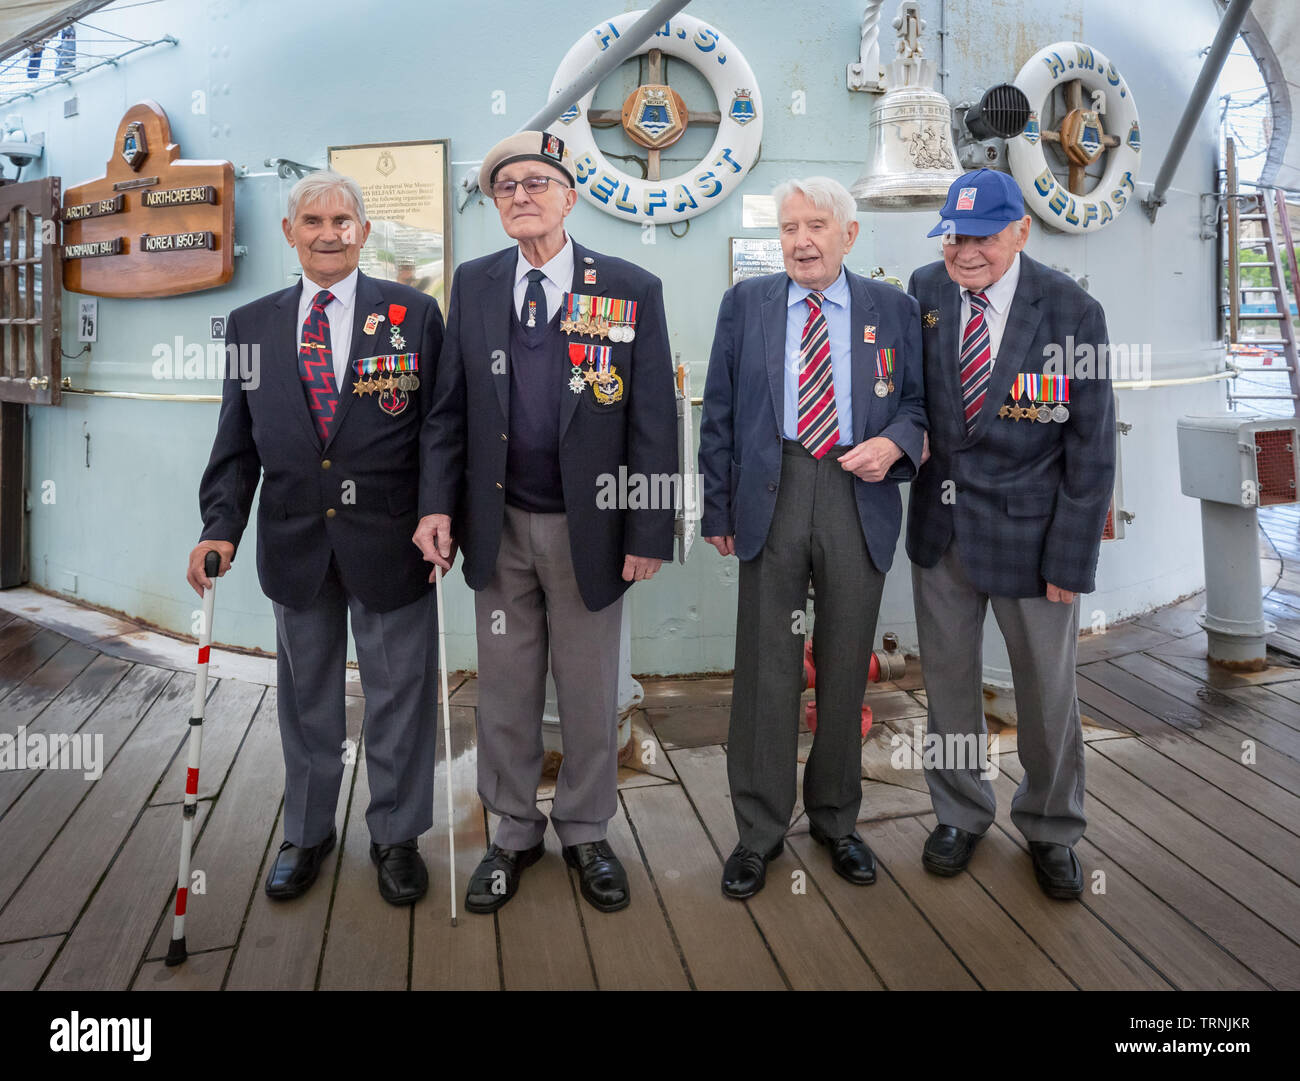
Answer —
533 313
316 365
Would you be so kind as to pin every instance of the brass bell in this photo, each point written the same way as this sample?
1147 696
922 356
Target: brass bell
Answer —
911 159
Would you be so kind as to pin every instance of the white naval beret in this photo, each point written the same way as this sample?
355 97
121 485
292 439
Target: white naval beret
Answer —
526 146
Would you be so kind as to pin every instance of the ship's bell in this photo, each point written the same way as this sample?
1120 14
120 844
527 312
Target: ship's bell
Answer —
911 159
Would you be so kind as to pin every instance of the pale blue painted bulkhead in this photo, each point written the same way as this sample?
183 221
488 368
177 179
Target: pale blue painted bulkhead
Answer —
248 81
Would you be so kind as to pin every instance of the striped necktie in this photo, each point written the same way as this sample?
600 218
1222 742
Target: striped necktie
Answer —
819 428
975 354
316 365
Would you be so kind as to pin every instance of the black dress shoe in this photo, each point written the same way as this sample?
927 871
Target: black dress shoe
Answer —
948 850
850 856
496 878
294 869
403 878
1057 869
600 876
745 871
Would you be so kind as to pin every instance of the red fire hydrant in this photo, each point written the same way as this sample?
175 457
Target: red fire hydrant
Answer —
886 664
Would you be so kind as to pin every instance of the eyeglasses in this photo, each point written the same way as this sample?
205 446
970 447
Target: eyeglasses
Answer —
533 185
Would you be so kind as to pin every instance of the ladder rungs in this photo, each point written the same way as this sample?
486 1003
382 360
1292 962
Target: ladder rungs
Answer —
1265 341
1275 316
1254 264
1263 368
1252 217
1263 397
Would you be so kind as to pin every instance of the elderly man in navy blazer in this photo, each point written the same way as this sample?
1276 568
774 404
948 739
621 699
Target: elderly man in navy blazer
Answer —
556 375
1007 512
813 414
331 429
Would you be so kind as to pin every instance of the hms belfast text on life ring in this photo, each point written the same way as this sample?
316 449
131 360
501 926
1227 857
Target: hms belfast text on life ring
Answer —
1110 126
718 174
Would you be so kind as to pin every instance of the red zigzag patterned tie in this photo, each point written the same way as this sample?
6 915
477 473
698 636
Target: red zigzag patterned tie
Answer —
316 365
819 428
975 366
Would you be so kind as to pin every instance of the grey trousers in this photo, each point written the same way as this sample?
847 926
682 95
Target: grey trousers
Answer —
815 533
529 613
397 654
1041 636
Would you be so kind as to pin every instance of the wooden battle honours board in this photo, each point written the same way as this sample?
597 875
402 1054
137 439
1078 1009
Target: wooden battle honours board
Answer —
155 224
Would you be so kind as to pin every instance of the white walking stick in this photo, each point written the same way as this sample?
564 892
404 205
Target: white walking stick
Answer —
446 743
176 951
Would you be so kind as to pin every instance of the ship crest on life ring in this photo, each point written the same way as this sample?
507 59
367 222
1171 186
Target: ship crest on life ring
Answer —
651 119
1101 122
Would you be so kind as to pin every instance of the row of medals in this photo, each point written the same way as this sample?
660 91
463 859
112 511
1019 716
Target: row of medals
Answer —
1042 414
597 327
407 381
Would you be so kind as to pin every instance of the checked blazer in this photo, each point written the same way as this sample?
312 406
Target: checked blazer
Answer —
1024 501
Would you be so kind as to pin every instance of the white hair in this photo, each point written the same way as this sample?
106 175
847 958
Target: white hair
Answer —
823 192
317 185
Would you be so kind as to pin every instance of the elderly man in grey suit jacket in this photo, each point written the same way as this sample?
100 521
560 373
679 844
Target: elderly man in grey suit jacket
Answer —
812 416
1009 511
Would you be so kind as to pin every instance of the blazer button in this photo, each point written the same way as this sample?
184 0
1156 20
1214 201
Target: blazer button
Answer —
503 437
330 513
326 464
771 487
498 484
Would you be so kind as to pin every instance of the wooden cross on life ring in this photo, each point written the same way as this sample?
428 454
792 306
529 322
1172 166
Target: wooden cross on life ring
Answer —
653 115
1081 136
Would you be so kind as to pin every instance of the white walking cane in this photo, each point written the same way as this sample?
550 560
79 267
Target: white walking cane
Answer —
176 951
446 743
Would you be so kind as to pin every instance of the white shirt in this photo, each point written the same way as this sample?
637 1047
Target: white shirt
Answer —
339 312
558 280
999 294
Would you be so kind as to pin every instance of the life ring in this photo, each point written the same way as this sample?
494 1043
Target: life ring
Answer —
717 175
1107 124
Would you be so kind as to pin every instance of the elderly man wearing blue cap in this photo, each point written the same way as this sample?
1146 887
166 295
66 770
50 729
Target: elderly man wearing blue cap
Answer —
1008 510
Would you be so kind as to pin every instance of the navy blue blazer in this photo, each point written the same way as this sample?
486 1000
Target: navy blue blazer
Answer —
1026 502
355 497
740 433
464 439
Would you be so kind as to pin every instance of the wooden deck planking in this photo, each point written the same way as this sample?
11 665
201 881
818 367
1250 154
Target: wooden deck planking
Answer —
230 848
64 716
18 665
221 739
1214 756
1086 950
29 827
280 942
540 932
1236 820
23 963
16 634
367 947
1182 952
1157 714
720 945
26 704
200 972
1246 877
993 947
463 957
105 947
1232 704
632 949
1260 947
903 948
52 895
801 929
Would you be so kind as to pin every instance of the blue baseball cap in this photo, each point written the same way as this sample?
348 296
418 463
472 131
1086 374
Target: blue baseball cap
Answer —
980 204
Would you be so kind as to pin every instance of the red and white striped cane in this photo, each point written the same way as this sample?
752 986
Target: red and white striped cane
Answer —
176 951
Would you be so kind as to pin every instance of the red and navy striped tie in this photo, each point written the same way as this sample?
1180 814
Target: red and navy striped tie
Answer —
316 365
975 354
819 427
